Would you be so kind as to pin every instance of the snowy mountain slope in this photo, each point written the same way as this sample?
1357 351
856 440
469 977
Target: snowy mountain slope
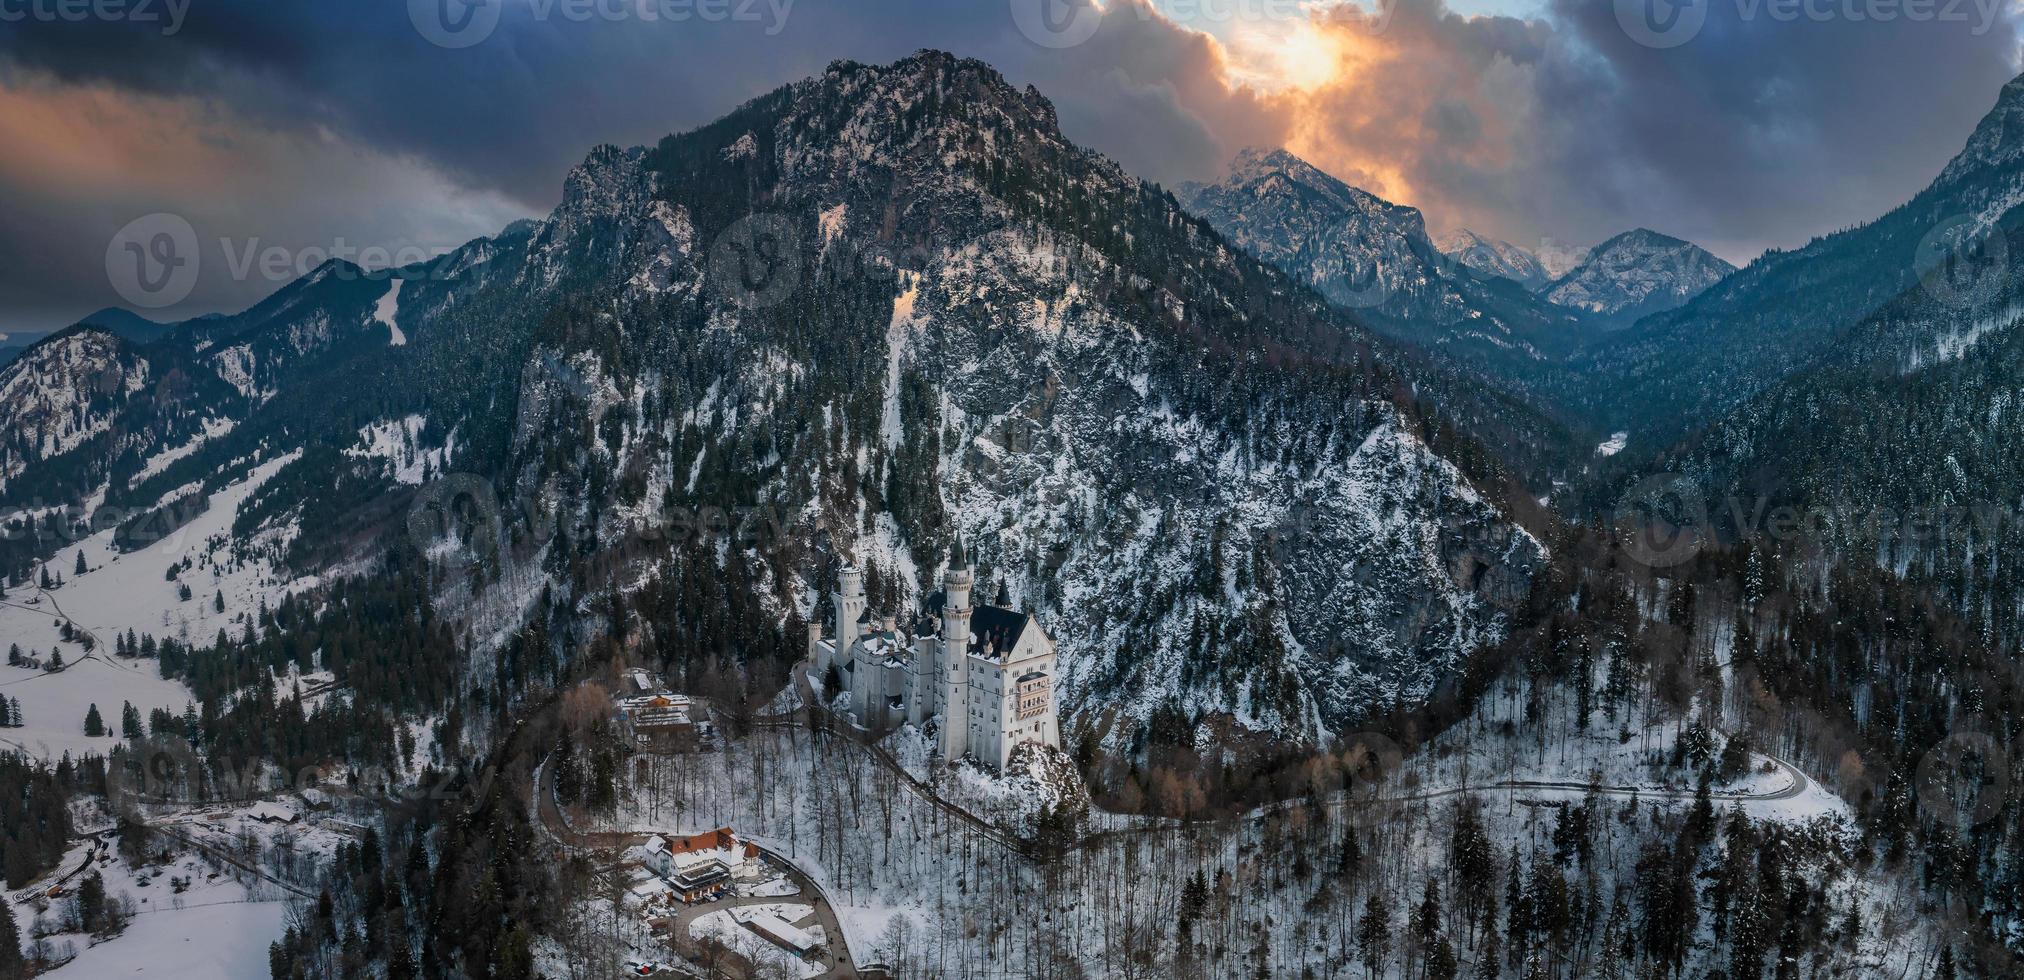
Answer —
1374 258
62 392
1637 273
1494 258
884 306
1024 381
1359 250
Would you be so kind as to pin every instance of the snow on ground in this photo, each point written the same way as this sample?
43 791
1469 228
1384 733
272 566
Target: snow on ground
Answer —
1614 445
902 873
213 428
726 927
218 926
54 704
776 888
898 852
396 440
387 309
227 941
131 591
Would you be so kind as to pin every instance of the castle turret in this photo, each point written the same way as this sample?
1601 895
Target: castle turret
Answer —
955 654
848 601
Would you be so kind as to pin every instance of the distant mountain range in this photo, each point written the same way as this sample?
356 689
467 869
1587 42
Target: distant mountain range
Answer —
1373 256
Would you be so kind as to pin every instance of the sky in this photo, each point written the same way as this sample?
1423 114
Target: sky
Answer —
279 133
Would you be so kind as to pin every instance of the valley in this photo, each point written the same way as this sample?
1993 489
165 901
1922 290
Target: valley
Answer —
873 534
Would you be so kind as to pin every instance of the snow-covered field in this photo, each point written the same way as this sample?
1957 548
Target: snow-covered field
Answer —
131 591
54 704
219 926
227 941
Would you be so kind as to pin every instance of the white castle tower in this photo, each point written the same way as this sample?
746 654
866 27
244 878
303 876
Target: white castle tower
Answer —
849 602
955 654
847 608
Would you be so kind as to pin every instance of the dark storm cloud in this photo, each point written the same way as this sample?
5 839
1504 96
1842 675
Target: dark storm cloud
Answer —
302 122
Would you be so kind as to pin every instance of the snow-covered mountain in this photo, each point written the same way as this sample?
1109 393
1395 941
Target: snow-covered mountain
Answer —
1492 257
1373 257
62 392
1638 273
1359 250
1909 406
888 305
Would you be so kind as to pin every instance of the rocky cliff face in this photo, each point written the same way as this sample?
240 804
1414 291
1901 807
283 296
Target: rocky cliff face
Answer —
891 304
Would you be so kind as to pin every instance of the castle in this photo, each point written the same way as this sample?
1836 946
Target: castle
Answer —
986 673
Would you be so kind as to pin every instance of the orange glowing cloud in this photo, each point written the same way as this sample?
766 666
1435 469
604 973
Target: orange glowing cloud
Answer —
1382 98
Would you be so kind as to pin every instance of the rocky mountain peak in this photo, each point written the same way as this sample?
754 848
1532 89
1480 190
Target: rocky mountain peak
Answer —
1998 140
1492 257
1637 273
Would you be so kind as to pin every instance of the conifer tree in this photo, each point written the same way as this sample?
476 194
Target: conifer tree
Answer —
1373 935
13 966
94 726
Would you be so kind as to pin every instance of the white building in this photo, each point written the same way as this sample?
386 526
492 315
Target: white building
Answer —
984 675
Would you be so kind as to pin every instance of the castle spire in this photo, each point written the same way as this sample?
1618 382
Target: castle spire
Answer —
956 557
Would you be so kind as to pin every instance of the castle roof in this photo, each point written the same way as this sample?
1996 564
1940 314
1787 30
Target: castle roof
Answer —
992 628
958 562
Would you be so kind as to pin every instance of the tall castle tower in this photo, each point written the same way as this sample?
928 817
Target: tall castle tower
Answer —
955 655
848 601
